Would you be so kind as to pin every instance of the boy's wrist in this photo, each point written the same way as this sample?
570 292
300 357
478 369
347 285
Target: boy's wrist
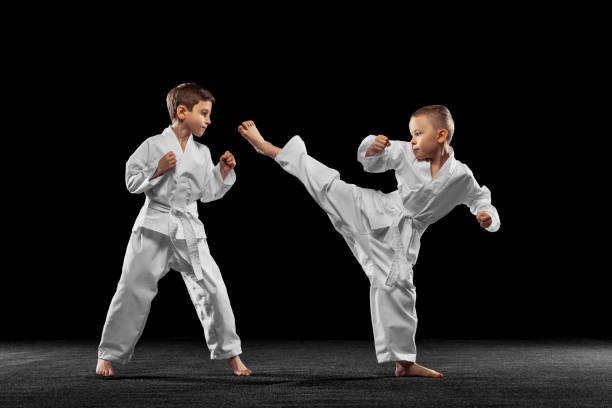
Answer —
371 151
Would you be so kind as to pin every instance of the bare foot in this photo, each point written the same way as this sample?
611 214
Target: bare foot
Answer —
105 368
410 369
238 366
248 130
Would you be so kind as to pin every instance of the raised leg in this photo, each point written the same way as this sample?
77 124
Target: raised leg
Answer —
340 200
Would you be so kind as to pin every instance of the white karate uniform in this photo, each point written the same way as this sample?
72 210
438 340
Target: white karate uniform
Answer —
168 234
383 230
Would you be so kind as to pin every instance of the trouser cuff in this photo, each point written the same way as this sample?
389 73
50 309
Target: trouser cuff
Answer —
105 355
228 354
389 357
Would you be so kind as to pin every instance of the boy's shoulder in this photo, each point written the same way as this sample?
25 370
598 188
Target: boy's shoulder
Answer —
463 169
200 146
154 139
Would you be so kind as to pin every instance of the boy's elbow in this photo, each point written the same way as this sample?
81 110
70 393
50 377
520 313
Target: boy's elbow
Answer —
371 168
134 188
130 187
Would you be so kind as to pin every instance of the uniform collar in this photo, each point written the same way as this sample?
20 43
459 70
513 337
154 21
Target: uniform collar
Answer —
173 140
447 169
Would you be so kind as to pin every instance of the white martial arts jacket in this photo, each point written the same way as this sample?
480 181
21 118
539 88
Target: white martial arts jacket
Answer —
171 199
419 200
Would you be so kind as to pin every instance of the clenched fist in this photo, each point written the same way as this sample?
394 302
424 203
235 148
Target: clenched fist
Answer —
228 162
484 219
380 143
167 162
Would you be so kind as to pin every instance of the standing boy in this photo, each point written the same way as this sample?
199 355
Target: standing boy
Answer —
174 172
383 230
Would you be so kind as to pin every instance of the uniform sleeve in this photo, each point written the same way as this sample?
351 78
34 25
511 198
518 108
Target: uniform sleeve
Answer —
479 199
214 185
139 168
388 159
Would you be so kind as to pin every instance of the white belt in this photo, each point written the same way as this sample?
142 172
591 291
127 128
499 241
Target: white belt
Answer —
400 273
186 216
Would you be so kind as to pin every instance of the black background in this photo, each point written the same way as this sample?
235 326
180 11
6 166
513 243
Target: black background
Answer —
516 103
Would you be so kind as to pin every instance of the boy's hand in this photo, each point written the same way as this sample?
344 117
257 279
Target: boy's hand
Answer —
228 162
484 219
167 162
380 143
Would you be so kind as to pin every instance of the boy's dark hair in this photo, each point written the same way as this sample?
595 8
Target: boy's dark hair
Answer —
440 118
188 94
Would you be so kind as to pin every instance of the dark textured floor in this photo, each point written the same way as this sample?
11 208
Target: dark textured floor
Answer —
478 373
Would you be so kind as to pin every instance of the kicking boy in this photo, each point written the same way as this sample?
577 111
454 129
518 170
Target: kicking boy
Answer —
384 230
174 171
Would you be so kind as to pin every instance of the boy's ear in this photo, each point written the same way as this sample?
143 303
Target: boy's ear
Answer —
442 133
180 111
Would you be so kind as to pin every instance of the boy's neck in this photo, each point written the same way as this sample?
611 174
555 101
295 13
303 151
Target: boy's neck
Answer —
181 132
441 157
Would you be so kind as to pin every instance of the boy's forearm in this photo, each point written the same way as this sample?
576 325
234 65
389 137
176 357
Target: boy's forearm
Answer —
157 173
224 173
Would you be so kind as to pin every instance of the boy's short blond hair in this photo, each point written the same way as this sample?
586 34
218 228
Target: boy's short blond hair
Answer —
188 94
440 117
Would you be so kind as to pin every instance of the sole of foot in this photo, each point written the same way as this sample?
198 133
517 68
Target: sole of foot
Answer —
249 131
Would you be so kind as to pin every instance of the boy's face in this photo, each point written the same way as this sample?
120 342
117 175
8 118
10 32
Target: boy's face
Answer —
426 140
198 119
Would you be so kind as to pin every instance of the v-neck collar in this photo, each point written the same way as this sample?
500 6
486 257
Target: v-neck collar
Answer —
435 184
175 141
446 165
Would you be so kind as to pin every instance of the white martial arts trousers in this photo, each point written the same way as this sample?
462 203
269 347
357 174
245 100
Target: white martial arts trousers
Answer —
393 312
149 256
